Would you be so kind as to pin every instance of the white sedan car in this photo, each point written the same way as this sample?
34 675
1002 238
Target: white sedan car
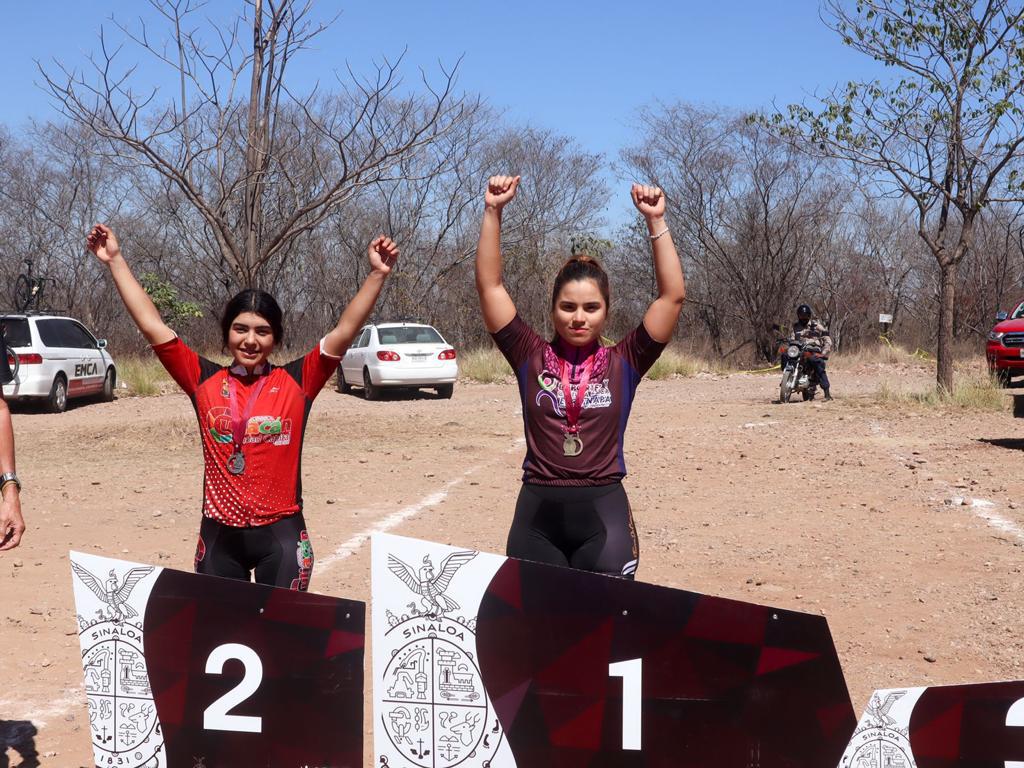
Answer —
398 355
56 358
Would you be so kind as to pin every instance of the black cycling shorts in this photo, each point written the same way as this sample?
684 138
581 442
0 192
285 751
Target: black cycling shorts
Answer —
280 553
589 528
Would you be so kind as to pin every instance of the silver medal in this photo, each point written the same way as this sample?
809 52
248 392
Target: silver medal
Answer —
236 463
573 445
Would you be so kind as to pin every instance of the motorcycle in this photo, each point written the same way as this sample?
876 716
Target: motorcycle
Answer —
797 375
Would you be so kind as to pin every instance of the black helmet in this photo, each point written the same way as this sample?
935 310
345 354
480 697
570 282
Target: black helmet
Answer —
803 312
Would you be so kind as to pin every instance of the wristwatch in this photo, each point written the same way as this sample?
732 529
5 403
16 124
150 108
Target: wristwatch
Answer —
9 477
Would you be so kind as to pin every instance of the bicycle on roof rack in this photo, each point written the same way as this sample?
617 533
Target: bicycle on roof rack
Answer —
28 289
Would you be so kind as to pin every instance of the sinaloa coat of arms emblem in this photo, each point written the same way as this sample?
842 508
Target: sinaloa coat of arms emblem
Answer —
882 737
430 704
122 714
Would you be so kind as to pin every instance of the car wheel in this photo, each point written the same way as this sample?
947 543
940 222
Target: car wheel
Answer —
57 401
445 391
343 386
1018 406
109 384
370 392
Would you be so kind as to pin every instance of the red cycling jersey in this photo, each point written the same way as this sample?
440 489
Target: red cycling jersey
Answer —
270 487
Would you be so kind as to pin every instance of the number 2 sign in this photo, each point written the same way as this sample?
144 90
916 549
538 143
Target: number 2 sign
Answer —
181 668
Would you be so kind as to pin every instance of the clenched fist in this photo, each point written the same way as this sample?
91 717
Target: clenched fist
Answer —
500 189
383 253
103 242
650 201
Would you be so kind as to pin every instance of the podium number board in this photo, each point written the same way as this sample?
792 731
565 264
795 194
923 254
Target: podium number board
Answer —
954 726
184 670
481 660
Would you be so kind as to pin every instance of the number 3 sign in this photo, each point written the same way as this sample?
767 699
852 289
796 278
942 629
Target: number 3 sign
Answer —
183 669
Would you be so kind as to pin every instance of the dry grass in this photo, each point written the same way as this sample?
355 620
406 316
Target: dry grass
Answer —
674 363
971 391
484 365
144 375
881 354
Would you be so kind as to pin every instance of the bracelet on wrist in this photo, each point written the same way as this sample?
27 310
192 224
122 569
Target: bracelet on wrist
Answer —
663 232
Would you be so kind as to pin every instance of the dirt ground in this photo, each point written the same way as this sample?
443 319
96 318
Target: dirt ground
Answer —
903 526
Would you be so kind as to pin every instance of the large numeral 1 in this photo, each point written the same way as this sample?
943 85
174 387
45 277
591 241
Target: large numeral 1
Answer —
216 717
631 672
1015 718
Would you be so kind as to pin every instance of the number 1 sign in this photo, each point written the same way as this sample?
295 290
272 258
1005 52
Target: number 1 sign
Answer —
182 669
484 661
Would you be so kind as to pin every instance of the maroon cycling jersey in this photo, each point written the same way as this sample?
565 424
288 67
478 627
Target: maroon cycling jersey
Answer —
270 487
606 403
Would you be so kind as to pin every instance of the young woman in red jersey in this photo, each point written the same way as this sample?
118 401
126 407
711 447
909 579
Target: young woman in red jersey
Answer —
576 394
252 417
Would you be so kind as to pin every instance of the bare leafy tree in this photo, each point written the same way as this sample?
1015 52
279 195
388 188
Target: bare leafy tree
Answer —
255 164
51 187
947 135
753 215
993 271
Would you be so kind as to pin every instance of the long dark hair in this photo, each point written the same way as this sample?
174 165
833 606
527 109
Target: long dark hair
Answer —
582 267
258 302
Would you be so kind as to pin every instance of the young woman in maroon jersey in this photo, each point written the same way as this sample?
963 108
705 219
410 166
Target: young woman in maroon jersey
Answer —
572 509
252 418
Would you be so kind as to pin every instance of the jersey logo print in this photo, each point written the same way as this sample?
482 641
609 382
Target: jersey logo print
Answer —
599 394
275 430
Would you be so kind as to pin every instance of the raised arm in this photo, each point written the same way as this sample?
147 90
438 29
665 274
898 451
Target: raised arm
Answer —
103 243
382 253
663 314
495 303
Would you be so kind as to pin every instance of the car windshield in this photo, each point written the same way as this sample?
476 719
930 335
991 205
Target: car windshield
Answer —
417 334
16 331
1018 313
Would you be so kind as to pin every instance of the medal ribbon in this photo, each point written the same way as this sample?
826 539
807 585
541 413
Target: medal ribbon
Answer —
573 408
239 423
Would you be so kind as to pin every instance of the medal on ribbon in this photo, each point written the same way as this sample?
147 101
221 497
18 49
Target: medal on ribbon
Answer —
572 445
236 461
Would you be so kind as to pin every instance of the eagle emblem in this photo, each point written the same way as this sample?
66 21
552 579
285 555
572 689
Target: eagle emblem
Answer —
878 709
114 594
431 588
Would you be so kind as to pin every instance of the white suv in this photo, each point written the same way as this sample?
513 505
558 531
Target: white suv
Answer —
57 358
409 355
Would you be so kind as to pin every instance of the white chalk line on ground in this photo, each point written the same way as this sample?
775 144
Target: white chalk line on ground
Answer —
396 518
983 509
39 715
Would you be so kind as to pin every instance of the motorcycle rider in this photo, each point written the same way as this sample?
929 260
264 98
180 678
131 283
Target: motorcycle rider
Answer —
815 335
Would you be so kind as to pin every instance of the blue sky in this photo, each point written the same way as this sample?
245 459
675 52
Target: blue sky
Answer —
580 68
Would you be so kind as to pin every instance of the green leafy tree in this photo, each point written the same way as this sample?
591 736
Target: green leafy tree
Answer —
946 135
165 297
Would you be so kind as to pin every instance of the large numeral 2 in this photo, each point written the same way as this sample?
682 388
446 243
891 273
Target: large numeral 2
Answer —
631 672
216 717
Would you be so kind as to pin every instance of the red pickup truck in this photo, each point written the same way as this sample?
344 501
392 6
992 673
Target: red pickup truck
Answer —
1005 347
